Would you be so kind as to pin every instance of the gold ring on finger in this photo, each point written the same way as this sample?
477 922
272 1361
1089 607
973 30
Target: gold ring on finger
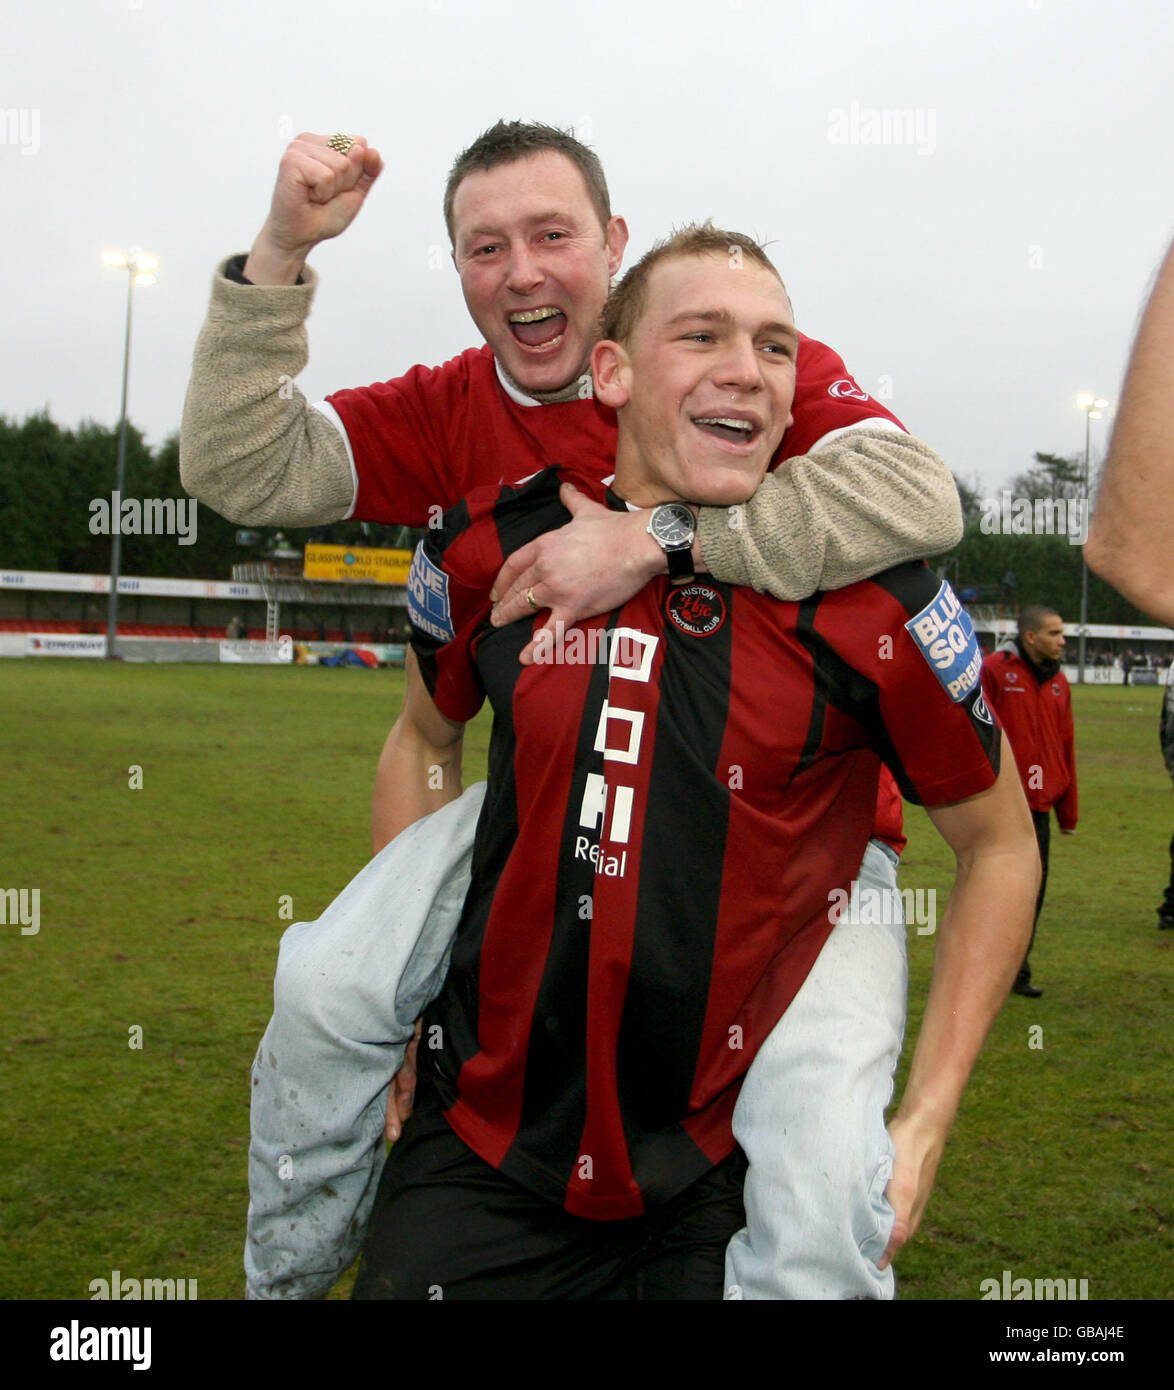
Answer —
342 143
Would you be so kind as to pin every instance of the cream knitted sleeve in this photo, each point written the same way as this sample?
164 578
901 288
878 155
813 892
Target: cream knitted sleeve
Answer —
871 499
250 447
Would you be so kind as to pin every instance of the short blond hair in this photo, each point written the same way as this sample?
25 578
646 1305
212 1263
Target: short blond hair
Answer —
625 304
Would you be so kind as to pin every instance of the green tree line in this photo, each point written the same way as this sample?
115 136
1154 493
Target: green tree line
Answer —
49 476
1045 569
1013 570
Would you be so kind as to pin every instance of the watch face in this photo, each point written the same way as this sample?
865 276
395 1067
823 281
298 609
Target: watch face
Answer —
673 524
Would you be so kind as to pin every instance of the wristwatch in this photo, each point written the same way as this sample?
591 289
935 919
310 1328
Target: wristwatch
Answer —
673 527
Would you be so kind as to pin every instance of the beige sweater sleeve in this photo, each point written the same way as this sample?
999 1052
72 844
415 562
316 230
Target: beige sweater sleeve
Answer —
871 499
252 449
250 446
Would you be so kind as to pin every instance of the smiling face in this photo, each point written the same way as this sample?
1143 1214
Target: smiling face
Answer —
535 265
704 384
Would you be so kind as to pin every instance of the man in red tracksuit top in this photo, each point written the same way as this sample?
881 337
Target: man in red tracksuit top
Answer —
1032 698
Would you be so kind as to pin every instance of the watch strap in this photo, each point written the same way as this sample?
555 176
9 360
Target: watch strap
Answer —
680 563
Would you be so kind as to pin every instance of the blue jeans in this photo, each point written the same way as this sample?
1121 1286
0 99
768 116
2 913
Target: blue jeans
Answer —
346 995
347 992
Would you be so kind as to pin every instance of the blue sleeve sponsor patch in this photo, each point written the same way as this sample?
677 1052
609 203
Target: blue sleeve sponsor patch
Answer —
428 606
945 636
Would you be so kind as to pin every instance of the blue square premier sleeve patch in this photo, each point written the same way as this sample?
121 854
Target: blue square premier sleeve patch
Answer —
945 636
428 606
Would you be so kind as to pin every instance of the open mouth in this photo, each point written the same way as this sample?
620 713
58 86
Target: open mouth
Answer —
730 428
538 328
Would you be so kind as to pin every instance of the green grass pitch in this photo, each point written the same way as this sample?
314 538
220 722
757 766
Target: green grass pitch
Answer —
159 911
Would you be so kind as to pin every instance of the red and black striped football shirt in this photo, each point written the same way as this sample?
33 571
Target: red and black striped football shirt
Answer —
668 817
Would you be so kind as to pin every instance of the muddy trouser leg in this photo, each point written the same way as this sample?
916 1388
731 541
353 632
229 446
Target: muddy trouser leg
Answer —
347 992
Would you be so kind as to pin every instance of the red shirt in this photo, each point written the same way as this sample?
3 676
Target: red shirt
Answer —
890 813
668 819
423 441
1037 715
429 438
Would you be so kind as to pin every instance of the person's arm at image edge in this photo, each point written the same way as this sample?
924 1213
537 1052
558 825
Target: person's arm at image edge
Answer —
981 939
1131 539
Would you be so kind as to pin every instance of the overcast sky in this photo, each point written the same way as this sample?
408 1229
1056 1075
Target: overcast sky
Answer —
978 274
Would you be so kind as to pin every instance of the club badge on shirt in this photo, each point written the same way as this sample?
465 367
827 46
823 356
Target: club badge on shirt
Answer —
696 609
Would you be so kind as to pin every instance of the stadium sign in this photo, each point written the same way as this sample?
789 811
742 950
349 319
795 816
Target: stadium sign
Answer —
356 564
255 653
51 581
66 644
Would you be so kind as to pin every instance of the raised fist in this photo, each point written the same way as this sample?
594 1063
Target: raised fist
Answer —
318 193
